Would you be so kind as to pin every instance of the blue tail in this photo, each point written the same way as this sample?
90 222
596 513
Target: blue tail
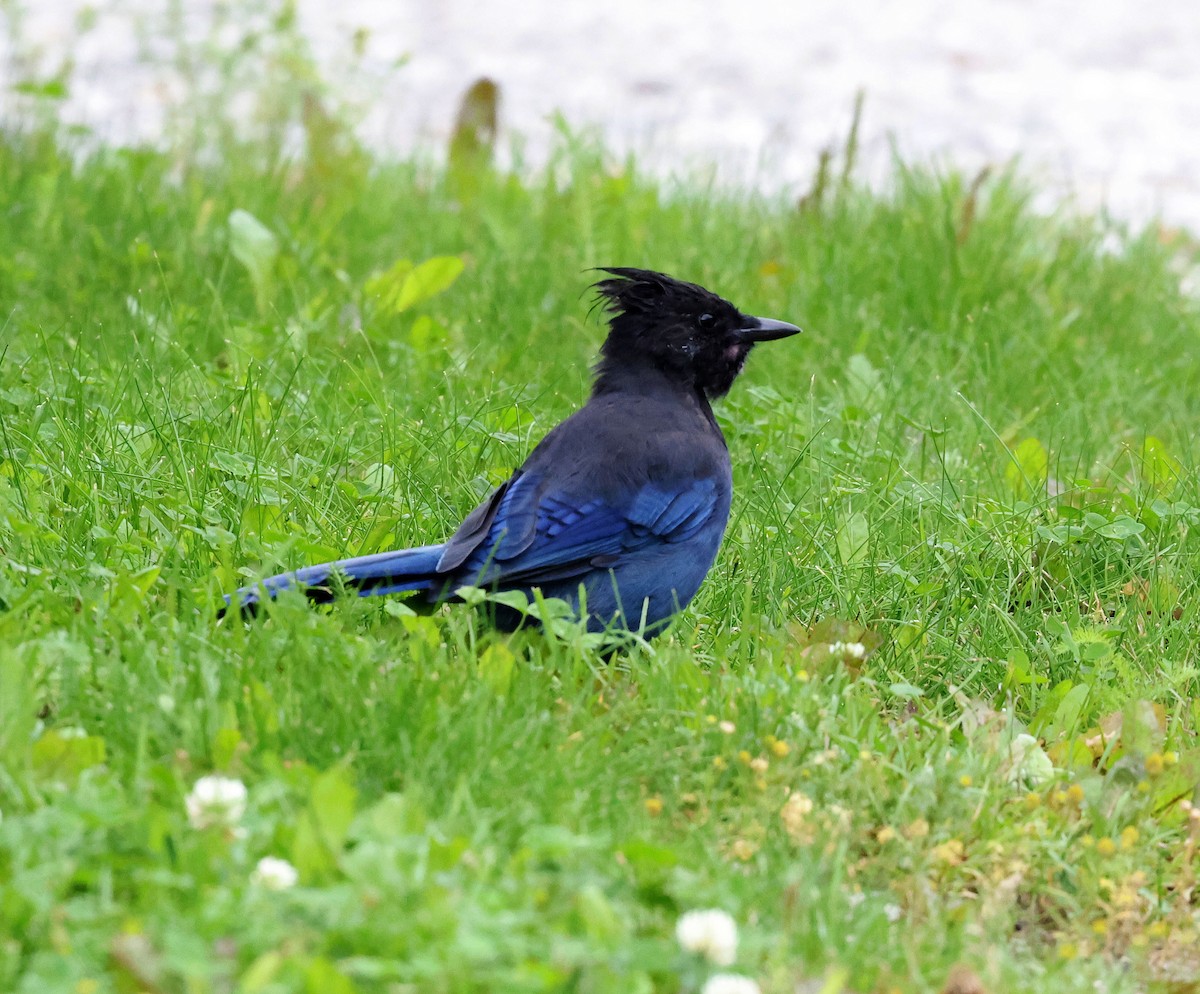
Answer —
382 573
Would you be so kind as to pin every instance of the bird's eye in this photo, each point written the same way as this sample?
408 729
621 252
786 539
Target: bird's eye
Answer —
706 321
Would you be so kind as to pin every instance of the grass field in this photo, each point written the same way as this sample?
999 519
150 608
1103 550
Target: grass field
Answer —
934 708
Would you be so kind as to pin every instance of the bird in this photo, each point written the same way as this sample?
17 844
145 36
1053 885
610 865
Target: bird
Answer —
621 508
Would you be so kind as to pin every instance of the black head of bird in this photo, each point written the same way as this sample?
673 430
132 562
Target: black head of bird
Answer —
682 329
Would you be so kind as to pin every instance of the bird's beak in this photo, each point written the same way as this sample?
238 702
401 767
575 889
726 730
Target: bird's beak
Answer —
765 330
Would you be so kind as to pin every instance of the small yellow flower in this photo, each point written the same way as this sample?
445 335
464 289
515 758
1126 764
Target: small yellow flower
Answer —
885 835
965 780
743 850
1106 846
780 748
1129 837
1068 950
1170 758
654 806
1143 787
744 757
952 851
1059 798
1157 930
1087 841
1032 800
1155 764
1075 794
802 676
917 829
720 763
1100 926
794 813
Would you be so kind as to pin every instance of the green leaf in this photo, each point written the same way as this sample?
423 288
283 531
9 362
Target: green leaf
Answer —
1068 717
63 755
50 89
255 246
518 600
1160 469
645 856
906 690
853 538
262 972
1028 468
431 277
130 590
1121 528
391 816
322 829
263 521
225 747
598 918
863 383
496 667
426 333
380 478
386 286
422 628
19 704
323 977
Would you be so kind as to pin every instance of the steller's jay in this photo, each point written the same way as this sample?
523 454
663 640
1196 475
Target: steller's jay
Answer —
626 500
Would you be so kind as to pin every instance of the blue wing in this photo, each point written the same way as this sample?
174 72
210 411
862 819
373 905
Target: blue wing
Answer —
529 535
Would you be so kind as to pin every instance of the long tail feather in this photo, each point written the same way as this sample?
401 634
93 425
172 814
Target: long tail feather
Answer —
382 573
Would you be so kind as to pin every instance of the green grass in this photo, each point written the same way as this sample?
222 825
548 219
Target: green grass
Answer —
979 460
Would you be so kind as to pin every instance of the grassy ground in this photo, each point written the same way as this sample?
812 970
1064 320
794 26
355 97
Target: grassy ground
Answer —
979 463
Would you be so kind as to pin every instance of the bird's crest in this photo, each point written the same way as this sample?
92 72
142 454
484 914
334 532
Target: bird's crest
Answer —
645 293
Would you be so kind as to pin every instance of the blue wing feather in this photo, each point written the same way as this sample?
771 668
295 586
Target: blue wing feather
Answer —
537 537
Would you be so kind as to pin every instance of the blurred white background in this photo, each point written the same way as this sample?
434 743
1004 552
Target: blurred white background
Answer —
1101 101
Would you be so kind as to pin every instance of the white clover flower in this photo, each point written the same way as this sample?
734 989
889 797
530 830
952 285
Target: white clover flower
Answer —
1027 762
711 934
729 983
848 650
273 873
216 802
